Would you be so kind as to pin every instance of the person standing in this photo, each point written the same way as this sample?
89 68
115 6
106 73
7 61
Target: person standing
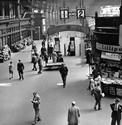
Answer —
64 72
60 58
36 103
20 68
40 64
73 114
97 92
46 58
43 52
34 61
94 73
50 51
10 70
116 108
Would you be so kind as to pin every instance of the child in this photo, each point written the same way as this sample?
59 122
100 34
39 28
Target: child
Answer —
10 70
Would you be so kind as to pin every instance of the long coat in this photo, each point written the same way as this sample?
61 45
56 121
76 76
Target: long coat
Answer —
73 114
116 114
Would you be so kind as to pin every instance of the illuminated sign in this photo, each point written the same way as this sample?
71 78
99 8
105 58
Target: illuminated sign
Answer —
111 56
109 11
109 48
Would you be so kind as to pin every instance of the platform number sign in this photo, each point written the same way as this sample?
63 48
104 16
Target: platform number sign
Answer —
64 13
80 13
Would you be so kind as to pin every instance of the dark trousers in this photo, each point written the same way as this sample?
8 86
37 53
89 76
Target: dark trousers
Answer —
34 66
20 74
114 120
37 115
40 69
73 124
98 102
64 80
50 55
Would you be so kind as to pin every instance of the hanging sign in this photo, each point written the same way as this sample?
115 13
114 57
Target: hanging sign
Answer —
109 48
109 11
80 13
64 13
111 56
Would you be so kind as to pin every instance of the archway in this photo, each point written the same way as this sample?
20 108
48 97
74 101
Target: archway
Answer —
59 28
78 43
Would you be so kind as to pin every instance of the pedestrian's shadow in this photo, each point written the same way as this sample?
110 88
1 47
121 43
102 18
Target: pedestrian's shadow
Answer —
87 110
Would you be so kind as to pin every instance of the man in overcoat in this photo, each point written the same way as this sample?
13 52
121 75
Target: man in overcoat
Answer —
116 108
40 64
73 114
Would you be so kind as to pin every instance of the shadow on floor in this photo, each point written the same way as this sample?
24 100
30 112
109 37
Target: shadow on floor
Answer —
87 110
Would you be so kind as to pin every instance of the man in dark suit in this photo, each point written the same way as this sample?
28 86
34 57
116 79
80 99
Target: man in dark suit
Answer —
63 71
20 68
116 108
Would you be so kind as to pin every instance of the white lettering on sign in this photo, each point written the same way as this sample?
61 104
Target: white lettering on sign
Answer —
111 56
109 48
110 11
64 13
80 13
72 12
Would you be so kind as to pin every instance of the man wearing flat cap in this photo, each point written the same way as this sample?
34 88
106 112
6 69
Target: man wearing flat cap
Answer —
116 108
73 114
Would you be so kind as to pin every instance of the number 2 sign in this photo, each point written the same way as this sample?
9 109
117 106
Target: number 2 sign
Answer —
80 13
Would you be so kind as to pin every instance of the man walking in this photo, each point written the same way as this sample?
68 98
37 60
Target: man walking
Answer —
36 103
73 114
34 61
20 68
116 108
97 92
63 71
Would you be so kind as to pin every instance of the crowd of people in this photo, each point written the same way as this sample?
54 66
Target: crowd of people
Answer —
73 111
96 91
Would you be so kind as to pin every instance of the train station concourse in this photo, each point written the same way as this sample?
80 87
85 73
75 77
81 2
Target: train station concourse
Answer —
60 62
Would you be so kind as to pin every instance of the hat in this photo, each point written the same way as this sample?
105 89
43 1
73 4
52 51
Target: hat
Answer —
73 102
117 100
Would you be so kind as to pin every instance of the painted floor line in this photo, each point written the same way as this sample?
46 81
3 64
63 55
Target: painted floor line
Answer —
5 84
59 84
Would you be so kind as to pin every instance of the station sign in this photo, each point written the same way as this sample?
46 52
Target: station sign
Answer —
110 11
111 56
64 13
80 13
109 48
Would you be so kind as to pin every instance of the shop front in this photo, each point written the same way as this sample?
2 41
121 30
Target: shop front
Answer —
111 72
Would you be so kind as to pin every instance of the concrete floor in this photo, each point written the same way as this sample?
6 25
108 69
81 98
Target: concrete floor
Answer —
15 105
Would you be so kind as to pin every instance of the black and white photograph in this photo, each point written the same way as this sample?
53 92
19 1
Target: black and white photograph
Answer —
60 62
